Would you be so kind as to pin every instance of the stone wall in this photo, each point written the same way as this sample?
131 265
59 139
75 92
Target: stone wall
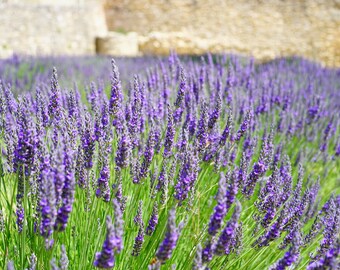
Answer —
262 28
265 29
50 27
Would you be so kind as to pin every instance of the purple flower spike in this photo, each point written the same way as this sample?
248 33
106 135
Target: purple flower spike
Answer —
54 107
328 261
139 240
227 130
207 252
68 188
170 134
105 259
153 221
291 256
169 243
220 209
215 114
201 133
244 126
48 207
225 242
115 103
232 189
103 190
181 90
123 151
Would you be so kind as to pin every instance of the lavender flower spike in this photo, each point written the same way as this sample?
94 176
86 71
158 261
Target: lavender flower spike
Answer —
244 126
291 255
48 207
220 209
118 225
137 246
116 91
153 220
105 259
224 243
123 151
169 243
170 134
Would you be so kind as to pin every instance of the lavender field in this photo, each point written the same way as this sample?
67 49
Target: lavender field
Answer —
211 162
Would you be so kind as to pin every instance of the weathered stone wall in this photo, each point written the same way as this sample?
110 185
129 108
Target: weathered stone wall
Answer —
265 29
47 27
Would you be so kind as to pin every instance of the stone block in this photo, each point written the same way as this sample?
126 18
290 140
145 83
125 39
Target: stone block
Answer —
118 44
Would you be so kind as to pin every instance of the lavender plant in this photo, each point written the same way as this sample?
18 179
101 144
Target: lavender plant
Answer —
169 163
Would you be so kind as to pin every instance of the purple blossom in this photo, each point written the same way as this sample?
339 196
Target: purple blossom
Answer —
215 114
48 207
148 154
166 248
170 135
227 130
201 134
54 106
118 225
220 209
137 246
244 126
123 151
232 189
103 189
115 103
291 256
153 221
105 259
181 90
68 188
187 176
224 243
88 142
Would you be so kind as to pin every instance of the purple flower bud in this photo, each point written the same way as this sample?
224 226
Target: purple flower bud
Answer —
88 142
165 249
10 265
48 207
170 134
201 134
148 154
68 188
244 126
153 221
198 263
105 259
118 225
291 256
224 243
328 261
187 176
33 262
207 252
138 219
232 189
227 130
220 210
103 190
115 102
64 262
215 114
54 106
181 90
123 151
137 246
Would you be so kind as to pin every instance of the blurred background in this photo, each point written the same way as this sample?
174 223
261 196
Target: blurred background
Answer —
263 29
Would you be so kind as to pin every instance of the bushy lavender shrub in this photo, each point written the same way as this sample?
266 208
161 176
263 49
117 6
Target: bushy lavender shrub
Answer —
169 163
